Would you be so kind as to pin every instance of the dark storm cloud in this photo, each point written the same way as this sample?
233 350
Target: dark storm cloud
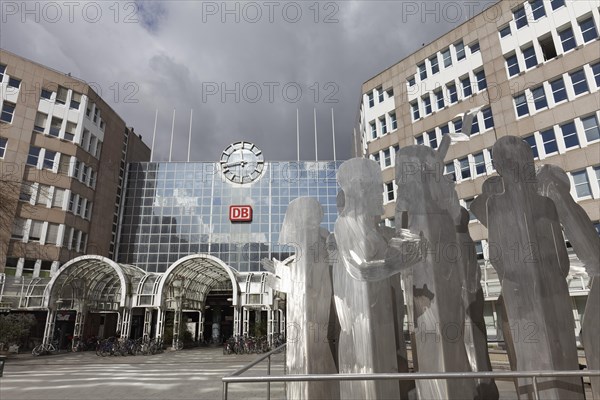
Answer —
243 67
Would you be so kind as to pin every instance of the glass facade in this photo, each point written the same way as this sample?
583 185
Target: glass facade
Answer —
176 209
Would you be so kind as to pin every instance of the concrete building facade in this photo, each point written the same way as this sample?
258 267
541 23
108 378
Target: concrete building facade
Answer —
63 155
530 69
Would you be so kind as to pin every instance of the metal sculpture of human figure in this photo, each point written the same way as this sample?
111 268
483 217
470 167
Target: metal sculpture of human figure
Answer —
309 293
428 203
554 183
475 336
364 282
532 268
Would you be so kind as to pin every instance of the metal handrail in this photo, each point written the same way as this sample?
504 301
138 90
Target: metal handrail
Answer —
535 375
236 373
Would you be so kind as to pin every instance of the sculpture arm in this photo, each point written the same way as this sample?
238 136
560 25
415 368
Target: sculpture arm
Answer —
402 252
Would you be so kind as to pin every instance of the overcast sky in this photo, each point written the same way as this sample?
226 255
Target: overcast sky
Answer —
243 67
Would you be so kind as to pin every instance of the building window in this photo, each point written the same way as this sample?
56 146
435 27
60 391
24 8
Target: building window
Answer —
435 67
479 164
61 95
370 95
70 131
26 192
596 72
40 122
578 81
457 125
465 168
449 171
390 92
539 98
513 65
520 17
79 206
590 126
439 99
521 105
567 39
34 154
466 85
569 133
380 94
49 157
504 32
452 92
530 58
558 90
75 100
549 141
46 94
387 158
373 130
557 4
14 83
427 104
447 57
460 50
8 110
548 48
55 126
415 110
468 203
394 121
432 139
597 171
537 8
531 142
475 125
52 234
582 184
419 139
18 230
588 29
3 144
488 118
43 195
72 202
481 82
35 231
2 70
64 162
422 71
389 191
444 129
474 47
383 123
411 81
376 158
58 198
76 169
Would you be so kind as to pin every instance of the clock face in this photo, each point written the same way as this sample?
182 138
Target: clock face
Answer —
242 162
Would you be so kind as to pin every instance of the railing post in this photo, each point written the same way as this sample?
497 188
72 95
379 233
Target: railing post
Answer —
225 390
269 373
536 395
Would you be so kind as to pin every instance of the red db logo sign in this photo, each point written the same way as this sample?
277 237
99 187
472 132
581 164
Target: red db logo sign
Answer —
240 213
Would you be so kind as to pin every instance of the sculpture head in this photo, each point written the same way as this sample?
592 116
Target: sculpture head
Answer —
302 213
362 185
513 159
553 178
420 178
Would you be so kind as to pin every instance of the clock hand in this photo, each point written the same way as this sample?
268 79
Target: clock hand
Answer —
233 164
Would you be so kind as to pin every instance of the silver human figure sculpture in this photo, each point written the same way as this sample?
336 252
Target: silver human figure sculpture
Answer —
308 301
532 268
366 292
475 336
427 202
554 183
491 186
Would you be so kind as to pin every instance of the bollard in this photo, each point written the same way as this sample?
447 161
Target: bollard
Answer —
2 362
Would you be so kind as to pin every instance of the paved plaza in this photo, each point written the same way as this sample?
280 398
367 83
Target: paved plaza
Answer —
183 375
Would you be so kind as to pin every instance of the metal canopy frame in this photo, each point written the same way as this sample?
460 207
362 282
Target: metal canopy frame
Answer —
191 278
94 281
